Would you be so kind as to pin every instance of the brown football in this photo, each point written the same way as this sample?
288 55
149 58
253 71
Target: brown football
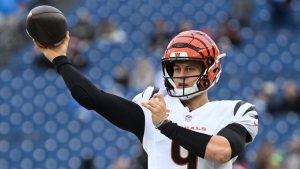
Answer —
46 25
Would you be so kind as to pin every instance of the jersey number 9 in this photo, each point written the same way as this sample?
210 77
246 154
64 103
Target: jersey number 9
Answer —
190 160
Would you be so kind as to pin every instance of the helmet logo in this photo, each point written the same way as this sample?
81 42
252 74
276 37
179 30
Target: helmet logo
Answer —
178 54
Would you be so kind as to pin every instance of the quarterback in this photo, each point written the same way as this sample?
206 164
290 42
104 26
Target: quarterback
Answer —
178 126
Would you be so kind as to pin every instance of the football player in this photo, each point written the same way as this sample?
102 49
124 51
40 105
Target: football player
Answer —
177 125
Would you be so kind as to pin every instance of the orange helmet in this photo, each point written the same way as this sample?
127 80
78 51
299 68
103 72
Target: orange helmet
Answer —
192 46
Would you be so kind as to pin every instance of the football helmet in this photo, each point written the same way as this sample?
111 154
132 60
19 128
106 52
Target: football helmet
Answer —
195 46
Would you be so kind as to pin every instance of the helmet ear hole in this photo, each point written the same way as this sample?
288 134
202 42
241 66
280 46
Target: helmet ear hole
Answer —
215 70
206 83
210 61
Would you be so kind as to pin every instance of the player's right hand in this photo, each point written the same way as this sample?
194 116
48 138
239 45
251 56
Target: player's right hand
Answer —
53 52
157 106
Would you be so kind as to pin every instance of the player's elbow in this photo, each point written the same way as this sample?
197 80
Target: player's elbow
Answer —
221 155
218 150
82 97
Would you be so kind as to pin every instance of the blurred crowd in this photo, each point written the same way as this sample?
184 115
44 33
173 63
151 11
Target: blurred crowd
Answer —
271 157
275 100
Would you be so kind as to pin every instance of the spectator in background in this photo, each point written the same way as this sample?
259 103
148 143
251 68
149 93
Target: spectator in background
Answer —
141 160
241 11
121 163
121 76
240 162
184 25
292 160
276 161
209 31
75 55
84 29
290 100
12 15
161 36
229 33
280 12
137 162
266 97
87 163
142 74
264 155
108 32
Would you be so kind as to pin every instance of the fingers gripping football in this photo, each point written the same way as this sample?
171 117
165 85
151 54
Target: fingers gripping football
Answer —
52 52
157 106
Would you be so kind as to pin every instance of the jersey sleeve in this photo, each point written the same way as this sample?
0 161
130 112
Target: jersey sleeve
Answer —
246 115
123 113
148 133
138 99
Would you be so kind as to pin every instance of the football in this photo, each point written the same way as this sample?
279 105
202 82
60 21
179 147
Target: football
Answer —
47 25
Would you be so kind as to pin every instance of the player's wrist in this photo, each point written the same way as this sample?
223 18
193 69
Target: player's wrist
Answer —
163 122
60 61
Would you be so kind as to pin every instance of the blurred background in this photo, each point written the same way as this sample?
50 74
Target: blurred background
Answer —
118 45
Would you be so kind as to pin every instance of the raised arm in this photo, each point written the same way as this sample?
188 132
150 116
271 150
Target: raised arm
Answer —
123 113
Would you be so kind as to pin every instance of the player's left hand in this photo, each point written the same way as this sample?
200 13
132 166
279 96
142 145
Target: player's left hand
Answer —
157 106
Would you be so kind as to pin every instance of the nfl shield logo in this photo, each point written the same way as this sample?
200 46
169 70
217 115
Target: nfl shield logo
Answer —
188 118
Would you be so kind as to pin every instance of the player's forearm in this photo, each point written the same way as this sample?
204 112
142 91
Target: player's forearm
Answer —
82 90
216 148
121 112
194 142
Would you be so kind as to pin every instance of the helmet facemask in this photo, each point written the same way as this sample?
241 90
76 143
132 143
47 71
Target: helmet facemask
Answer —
184 92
